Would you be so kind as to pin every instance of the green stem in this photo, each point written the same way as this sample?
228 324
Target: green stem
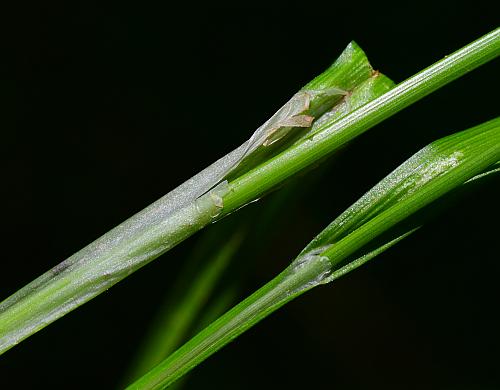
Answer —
168 221
301 276
285 287
187 209
332 136
434 171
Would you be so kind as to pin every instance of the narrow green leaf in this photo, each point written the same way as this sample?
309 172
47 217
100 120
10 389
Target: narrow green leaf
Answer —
431 173
180 315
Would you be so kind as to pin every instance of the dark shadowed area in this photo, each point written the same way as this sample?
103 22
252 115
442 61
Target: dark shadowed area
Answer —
108 107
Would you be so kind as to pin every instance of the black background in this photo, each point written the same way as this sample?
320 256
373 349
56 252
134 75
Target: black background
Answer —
107 107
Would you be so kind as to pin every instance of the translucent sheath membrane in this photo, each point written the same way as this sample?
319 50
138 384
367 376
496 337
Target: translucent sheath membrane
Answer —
172 218
101 264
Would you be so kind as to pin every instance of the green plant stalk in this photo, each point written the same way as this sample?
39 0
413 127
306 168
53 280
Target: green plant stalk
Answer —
287 286
331 136
154 230
166 223
437 169
221 303
273 295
